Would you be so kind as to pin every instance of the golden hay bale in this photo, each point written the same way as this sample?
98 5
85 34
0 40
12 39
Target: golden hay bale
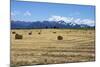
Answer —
17 36
13 32
30 33
39 33
60 38
54 32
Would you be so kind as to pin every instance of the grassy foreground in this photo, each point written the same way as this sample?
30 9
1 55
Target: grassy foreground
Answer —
43 47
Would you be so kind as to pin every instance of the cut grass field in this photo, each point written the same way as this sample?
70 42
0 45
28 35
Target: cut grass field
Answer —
41 46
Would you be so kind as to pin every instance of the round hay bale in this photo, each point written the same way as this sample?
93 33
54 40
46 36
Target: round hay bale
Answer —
39 33
54 32
17 36
30 33
60 38
13 32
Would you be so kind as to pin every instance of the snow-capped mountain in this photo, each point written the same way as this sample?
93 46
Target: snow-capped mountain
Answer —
47 24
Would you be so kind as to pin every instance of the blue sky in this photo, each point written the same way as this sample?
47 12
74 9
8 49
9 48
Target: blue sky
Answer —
35 11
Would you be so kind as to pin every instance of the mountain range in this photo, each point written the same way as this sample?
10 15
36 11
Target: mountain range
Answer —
46 24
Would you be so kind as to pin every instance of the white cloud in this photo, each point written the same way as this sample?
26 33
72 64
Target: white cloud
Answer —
12 14
73 20
85 21
27 13
15 13
59 18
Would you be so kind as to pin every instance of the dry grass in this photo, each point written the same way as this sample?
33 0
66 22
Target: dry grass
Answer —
76 46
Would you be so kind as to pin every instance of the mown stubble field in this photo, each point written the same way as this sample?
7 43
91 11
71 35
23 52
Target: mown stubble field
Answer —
43 47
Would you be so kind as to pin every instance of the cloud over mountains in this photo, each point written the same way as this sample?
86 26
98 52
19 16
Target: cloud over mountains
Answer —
72 20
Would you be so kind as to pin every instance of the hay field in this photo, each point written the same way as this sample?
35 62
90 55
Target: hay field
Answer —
43 47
